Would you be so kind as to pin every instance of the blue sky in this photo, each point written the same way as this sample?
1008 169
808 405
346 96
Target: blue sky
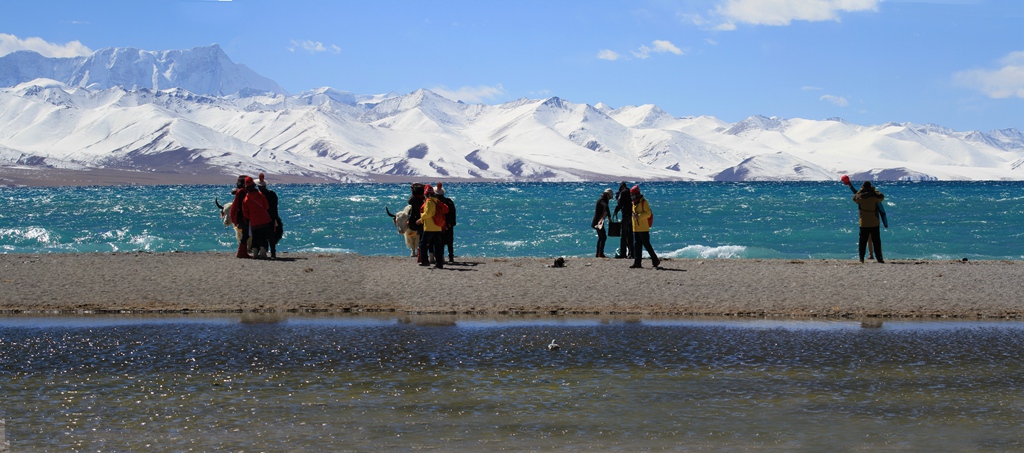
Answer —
959 64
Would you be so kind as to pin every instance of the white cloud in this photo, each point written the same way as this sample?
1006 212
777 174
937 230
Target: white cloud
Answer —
471 94
837 100
313 47
11 43
783 12
665 46
1001 83
609 55
658 46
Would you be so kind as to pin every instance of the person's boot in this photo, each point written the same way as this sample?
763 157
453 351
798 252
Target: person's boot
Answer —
262 254
273 253
241 251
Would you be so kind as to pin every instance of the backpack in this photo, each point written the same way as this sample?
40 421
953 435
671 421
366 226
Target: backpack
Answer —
440 211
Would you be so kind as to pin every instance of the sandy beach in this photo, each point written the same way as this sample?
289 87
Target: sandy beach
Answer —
218 282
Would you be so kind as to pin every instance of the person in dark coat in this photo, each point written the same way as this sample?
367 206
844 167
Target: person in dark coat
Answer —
416 201
868 198
624 204
601 215
278 231
448 235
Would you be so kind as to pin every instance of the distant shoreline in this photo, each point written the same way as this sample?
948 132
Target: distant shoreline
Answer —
208 282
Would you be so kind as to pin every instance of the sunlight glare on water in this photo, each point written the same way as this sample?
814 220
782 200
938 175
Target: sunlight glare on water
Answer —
326 383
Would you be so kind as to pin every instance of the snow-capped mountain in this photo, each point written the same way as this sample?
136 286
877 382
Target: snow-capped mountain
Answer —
200 70
204 114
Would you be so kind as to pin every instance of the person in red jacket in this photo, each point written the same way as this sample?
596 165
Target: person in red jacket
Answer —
255 212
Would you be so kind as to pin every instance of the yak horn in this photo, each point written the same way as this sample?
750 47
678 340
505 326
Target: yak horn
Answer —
389 212
218 204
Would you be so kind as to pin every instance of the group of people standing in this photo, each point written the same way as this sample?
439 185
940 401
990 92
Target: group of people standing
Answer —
635 230
635 233
433 217
257 222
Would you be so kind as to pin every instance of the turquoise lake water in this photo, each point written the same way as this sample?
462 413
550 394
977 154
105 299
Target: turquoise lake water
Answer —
793 220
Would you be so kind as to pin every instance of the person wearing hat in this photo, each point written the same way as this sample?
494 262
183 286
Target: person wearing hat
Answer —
643 219
254 211
601 214
448 235
432 218
624 204
278 228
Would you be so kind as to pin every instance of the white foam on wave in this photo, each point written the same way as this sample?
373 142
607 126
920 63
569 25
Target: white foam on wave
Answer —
145 241
41 235
513 244
703 251
332 250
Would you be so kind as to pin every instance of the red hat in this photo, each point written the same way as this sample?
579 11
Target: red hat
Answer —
427 190
635 190
249 181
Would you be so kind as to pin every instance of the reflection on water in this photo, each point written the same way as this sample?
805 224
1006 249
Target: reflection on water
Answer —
314 384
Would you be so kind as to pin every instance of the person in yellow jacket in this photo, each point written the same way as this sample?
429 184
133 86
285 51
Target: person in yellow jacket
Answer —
643 218
432 218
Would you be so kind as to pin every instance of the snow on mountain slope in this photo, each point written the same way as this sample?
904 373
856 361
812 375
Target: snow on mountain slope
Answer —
194 111
202 70
334 135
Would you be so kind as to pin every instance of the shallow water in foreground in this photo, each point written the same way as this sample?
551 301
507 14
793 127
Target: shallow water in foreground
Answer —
365 384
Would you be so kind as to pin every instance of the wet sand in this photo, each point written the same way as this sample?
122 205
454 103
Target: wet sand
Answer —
218 282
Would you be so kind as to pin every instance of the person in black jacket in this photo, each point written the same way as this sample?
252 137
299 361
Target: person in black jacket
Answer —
416 201
624 203
601 215
278 231
448 234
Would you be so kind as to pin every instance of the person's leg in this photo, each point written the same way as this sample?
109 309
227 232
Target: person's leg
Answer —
424 254
637 250
630 239
438 241
601 239
449 239
242 239
862 242
624 240
650 250
275 238
258 242
876 242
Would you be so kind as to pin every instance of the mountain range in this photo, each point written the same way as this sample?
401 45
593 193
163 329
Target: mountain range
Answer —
195 112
